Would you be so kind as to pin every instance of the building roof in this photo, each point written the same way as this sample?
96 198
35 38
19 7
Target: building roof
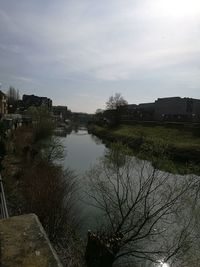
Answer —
175 98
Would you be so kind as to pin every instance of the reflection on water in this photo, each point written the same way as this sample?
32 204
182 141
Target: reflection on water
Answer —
96 139
63 131
83 152
162 264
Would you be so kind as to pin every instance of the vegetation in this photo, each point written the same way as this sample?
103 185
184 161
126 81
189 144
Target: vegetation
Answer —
13 97
146 215
116 101
2 142
43 125
176 137
114 109
182 146
35 184
13 94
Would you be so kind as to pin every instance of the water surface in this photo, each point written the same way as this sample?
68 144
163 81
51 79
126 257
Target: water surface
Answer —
83 151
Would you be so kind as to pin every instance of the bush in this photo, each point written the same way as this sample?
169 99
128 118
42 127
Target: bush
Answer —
196 131
43 125
2 142
49 192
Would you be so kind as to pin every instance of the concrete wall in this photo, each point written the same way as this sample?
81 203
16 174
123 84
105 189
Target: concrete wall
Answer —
24 243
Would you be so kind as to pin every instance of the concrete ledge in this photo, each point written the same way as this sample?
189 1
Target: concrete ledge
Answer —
24 243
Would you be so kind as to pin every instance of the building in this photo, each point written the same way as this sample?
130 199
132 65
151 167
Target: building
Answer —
33 100
177 109
61 112
3 104
166 109
146 111
141 112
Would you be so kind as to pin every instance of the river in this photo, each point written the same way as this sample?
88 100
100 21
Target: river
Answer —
82 152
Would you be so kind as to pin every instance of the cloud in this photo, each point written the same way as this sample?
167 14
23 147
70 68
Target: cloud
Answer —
23 79
90 44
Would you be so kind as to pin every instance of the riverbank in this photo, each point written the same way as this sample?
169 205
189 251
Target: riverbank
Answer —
182 146
36 183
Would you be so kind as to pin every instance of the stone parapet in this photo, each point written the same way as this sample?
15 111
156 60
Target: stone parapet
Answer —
24 243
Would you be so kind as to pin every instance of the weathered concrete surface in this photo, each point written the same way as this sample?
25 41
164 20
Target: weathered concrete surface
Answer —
24 243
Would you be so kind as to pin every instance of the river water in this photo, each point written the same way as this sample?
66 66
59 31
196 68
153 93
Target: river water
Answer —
82 152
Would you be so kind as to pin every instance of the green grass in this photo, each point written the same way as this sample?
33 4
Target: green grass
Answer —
176 137
181 146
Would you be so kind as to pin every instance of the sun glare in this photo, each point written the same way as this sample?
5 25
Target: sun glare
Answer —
163 264
177 8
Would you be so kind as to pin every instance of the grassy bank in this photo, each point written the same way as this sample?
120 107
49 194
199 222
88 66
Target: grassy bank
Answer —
181 146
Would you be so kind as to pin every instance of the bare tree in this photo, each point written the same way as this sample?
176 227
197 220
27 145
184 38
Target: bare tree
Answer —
13 94
13 97
143 209
116 101
50 192
52 150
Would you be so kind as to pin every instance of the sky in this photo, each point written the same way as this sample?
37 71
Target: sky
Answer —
80 52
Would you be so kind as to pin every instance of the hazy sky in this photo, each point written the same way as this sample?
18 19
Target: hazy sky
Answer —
79 52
